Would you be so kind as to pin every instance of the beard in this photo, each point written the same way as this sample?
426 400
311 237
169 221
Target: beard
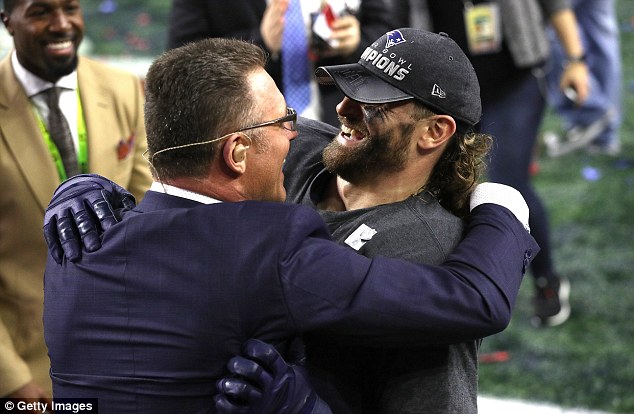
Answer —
59 69
377 154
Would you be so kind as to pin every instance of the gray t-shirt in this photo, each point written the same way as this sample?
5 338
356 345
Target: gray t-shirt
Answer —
355 378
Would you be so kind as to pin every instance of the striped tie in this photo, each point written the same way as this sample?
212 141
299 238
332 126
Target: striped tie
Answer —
60 132
295 62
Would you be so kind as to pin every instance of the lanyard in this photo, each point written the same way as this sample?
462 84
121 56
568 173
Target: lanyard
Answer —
82 157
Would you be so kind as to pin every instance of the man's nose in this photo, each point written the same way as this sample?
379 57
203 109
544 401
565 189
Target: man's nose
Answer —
350 109
60 21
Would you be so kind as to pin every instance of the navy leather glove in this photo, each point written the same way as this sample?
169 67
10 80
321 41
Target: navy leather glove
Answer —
264 383
82 208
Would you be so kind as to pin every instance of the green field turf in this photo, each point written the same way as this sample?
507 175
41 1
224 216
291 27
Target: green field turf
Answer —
588 361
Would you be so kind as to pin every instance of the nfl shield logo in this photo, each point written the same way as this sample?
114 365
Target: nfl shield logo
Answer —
394 38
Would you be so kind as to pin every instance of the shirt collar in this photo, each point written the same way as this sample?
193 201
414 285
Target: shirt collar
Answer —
180 192
33 84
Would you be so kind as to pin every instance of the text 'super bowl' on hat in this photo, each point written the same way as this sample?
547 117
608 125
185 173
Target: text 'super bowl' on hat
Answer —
410 63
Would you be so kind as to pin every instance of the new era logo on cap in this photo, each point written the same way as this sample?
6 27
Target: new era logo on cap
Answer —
436 91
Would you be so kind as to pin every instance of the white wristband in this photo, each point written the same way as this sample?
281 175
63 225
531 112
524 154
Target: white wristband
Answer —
503 195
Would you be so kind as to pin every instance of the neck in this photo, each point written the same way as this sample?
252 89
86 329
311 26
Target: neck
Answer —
384 189
204 186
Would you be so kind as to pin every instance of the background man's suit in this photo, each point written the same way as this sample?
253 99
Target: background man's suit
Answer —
112 103
150 319
192 20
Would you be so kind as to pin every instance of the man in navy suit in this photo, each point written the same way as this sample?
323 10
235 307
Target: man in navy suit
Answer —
209 259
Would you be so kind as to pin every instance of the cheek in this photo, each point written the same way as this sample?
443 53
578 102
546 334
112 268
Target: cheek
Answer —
277 169
79 26
280 165
283 153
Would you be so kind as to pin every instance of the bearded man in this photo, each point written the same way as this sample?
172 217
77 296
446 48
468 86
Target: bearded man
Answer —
395 181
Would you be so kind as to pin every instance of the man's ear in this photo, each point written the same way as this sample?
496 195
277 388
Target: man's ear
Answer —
234 152
5 21
439 129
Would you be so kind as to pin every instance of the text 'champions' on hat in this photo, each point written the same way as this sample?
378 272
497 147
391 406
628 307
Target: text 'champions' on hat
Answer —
411 63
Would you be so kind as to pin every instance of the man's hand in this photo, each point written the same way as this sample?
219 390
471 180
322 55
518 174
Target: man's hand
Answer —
576 76
272 25
345 37
82 208
264 383
30 393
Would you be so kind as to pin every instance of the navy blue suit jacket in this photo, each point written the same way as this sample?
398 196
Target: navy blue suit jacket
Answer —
147 323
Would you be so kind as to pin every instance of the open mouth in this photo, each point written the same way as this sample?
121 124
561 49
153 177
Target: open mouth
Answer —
62 47
350 135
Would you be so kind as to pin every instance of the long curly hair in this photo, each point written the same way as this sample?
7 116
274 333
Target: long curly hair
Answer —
459 169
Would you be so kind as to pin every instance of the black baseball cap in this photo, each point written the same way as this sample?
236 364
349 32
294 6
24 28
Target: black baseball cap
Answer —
411 64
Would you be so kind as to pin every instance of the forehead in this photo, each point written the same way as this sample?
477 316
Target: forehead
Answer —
265 92
43 3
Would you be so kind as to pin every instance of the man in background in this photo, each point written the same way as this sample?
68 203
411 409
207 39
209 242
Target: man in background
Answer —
595 123
328 33
104 133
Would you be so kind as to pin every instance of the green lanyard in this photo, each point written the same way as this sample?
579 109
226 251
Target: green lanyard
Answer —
82 157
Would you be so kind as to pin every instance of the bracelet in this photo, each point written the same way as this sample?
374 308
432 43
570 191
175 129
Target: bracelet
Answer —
575 59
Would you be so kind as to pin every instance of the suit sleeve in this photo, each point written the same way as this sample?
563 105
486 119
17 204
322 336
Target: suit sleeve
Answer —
187 22
375 22
192 20
321 407
382 301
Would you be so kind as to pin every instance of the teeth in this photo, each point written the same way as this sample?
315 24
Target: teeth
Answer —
60 45
346 131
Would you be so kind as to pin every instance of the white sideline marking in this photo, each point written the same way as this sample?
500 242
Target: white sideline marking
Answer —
491 405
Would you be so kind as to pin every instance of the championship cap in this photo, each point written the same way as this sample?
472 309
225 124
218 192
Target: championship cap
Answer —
411 63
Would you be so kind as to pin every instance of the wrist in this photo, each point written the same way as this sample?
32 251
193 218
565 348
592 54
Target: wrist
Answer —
502 195
309 405
575 59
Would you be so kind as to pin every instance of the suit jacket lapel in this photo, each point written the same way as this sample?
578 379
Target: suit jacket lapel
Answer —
101 122
18 126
